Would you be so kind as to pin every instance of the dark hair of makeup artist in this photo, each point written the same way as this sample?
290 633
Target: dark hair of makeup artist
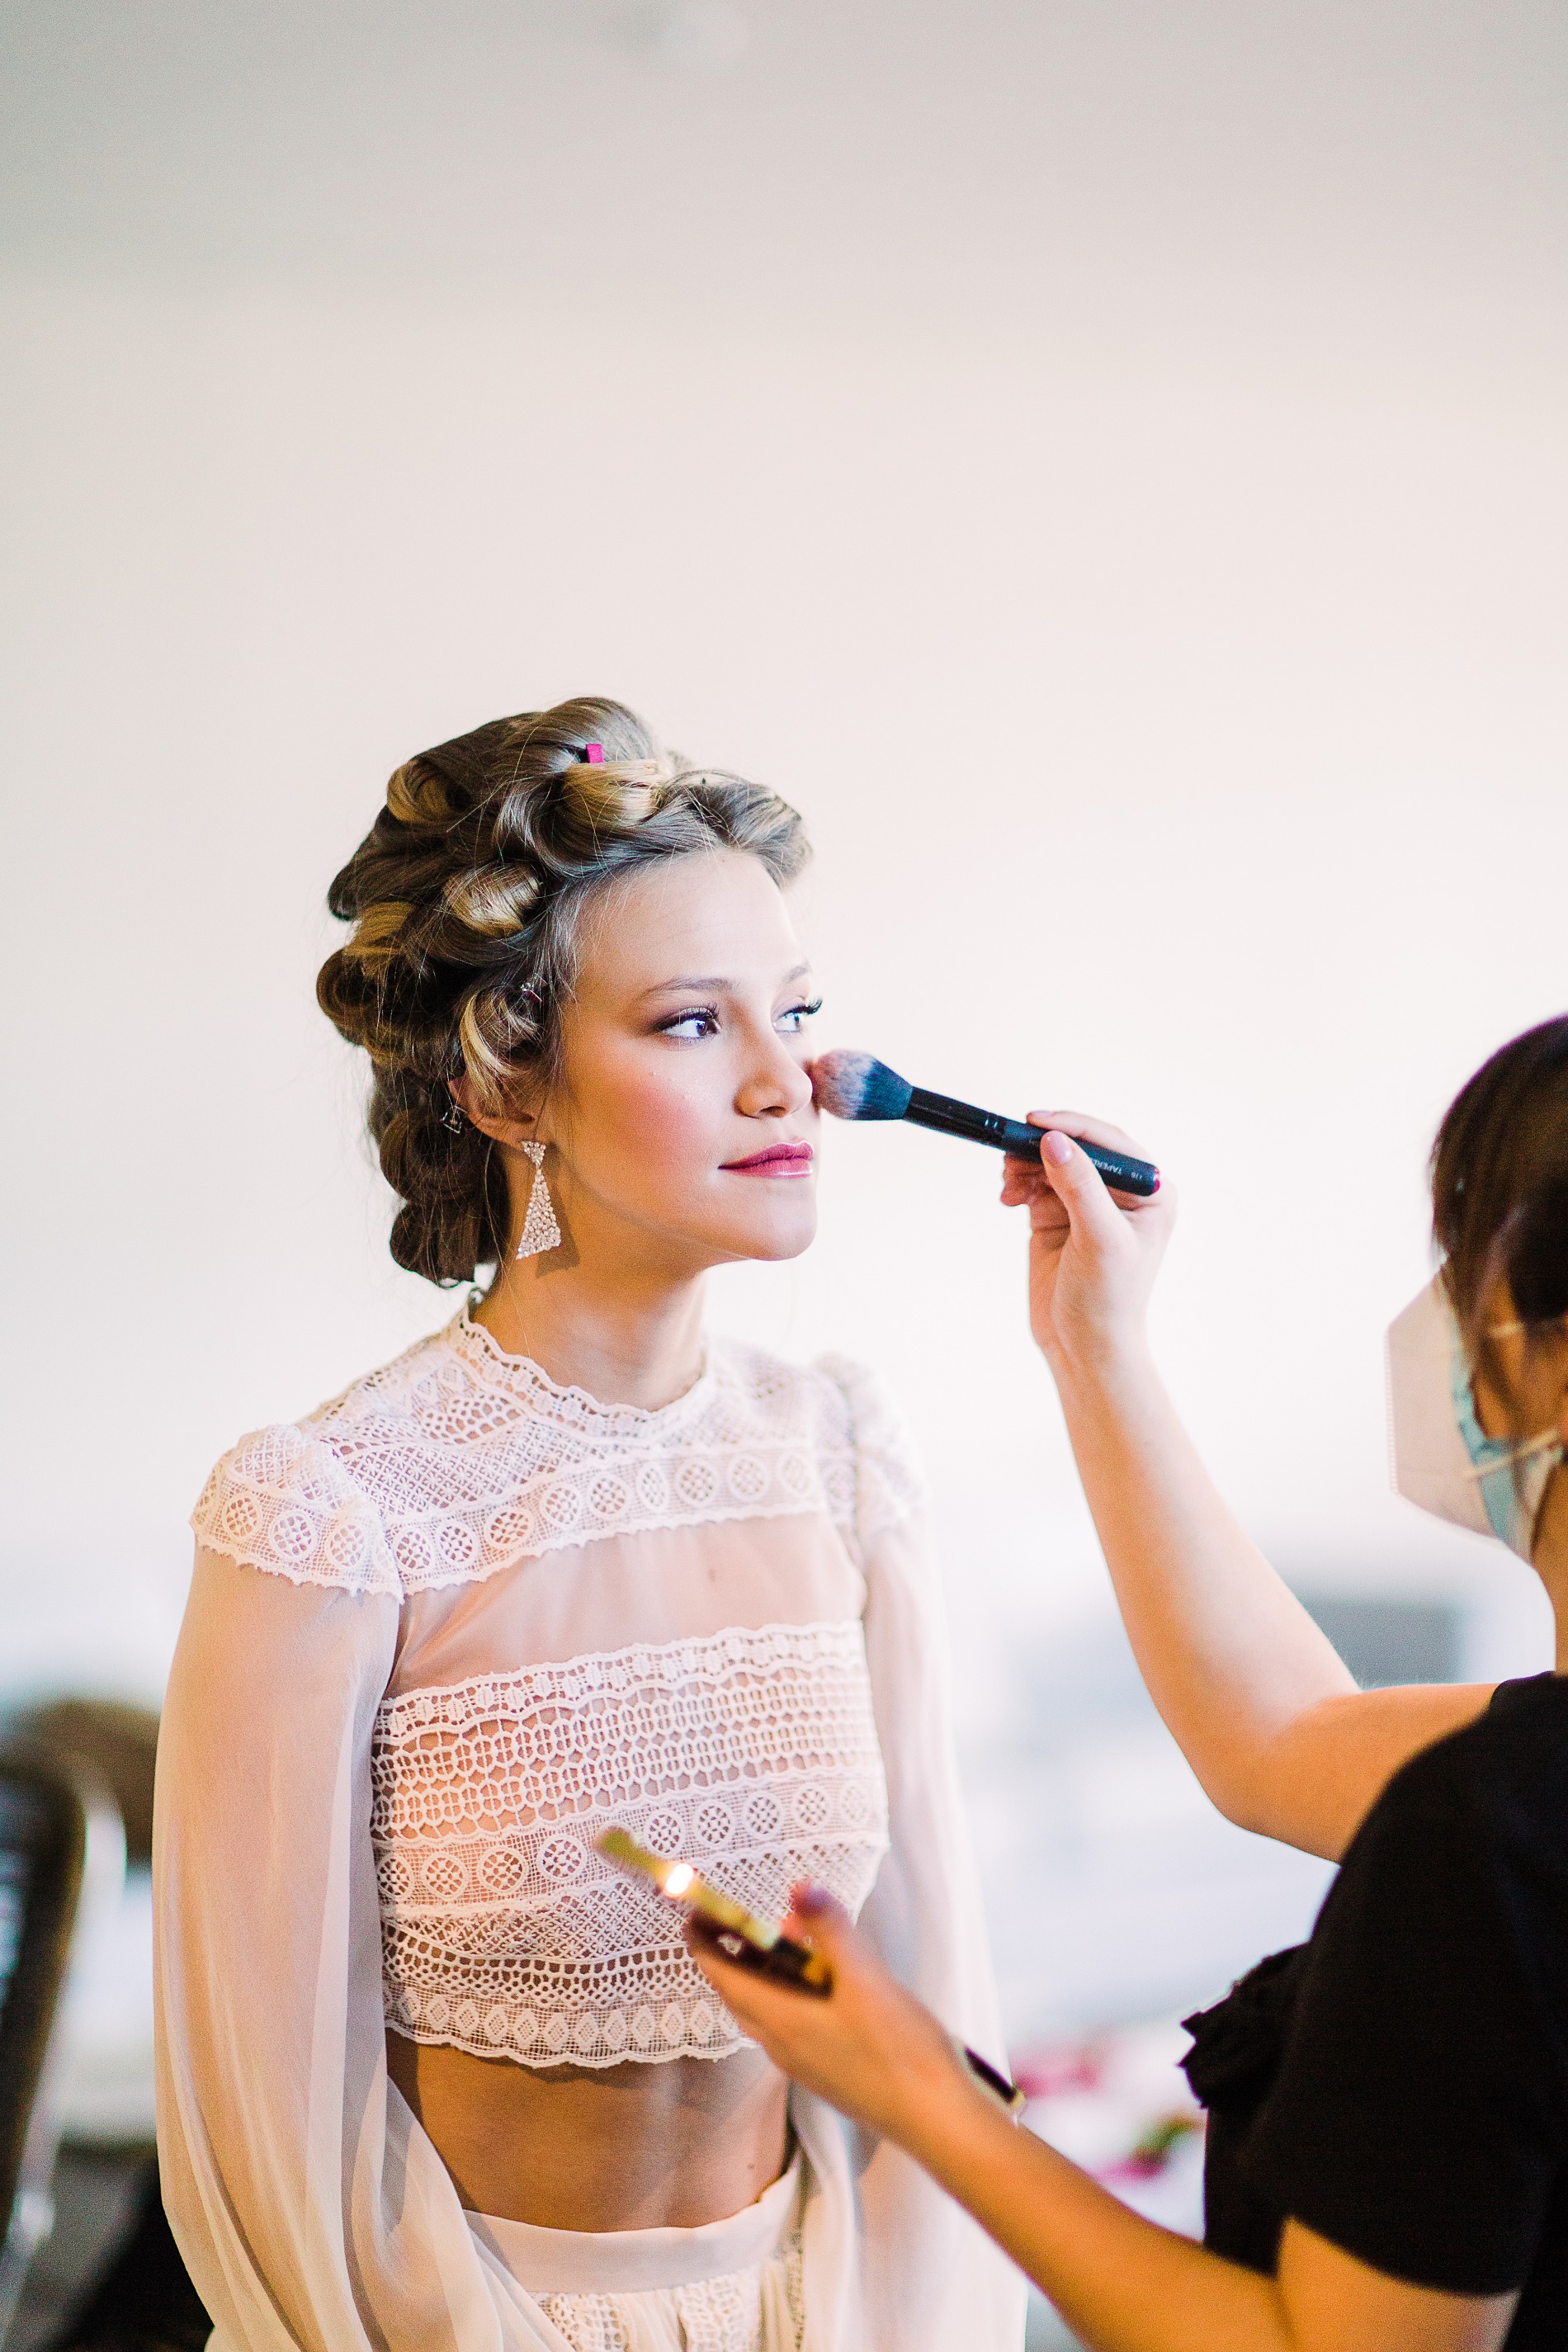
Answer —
1499 1190
467 896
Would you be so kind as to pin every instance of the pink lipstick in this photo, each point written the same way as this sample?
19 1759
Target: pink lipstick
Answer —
778 1160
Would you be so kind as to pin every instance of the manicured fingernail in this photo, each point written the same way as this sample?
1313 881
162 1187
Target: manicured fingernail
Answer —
1055 1148
807 1898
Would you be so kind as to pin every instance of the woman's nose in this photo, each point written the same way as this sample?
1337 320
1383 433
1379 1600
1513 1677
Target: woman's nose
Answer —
777 1084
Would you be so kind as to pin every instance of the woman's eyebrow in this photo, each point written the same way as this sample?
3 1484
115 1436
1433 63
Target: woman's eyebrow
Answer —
689 982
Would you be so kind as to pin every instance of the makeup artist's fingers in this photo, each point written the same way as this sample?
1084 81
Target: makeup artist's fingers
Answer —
1093 1253
1086 1128
867 2047
1083 1129
1024 1183
1021 1180
1076 1181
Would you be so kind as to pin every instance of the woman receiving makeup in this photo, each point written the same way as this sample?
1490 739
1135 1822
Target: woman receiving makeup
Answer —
432 2073
1387 2168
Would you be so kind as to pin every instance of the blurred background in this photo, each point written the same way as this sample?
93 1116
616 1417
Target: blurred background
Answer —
1102 459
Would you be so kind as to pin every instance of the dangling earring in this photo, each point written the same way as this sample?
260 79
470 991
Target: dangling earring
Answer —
539 1229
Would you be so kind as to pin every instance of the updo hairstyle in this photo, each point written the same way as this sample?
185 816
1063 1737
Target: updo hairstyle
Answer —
1500 1191
467 896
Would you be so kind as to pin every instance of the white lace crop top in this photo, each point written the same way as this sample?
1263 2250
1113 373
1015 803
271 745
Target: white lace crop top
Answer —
604 1614
491 1615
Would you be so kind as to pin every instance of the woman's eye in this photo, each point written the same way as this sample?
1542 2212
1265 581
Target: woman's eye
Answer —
798 1015
703 1023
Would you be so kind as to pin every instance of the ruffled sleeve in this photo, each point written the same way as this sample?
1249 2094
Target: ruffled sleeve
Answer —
312 2211
932 2275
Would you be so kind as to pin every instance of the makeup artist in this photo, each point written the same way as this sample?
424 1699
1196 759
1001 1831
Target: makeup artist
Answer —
1388 2154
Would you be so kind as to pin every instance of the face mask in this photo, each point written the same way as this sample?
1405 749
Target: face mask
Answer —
1443 1459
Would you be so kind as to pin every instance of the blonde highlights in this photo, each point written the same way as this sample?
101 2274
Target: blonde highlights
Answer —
466 898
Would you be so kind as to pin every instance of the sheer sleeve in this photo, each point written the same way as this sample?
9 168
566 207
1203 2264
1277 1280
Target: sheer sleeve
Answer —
312 2213
934 2273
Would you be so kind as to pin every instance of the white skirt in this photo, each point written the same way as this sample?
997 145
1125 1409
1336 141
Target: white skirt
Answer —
728 2287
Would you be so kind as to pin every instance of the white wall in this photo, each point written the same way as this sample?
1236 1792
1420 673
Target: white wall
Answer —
1104 463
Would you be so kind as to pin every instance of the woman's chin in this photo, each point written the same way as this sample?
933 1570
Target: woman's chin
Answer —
784 1232
795 1247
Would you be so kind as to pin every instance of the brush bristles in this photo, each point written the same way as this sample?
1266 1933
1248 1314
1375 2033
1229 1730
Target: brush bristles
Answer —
857 1086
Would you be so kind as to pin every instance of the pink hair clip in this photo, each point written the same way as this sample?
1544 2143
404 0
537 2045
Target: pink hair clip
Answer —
593 754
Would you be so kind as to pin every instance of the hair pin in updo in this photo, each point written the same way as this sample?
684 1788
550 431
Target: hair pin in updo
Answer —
645 772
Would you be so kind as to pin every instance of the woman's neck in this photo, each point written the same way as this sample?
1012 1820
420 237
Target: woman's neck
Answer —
627 1339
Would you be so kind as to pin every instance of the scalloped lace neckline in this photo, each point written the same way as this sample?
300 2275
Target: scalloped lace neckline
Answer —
524 1378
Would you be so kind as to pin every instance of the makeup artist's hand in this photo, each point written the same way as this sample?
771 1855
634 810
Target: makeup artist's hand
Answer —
867 2047
1093 1253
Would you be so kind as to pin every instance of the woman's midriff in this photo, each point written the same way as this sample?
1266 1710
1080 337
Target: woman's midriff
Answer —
634 2147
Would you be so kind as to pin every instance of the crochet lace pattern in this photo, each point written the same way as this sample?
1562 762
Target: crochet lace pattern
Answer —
457 1460
752 1753
720 2314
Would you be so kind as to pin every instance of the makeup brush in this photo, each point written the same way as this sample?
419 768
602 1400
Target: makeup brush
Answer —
857 1086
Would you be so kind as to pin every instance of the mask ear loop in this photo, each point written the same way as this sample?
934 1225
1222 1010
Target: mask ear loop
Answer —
1526 1448
1513 1457
1510 1456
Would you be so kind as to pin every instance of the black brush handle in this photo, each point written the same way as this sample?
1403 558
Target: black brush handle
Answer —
1021 1141
1007 2096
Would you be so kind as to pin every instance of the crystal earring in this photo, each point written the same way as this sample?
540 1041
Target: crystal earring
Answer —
540 1230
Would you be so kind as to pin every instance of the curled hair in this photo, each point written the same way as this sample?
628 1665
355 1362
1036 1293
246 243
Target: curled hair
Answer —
1500 1191
467 897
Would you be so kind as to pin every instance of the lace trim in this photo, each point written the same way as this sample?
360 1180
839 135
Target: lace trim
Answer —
753 1753
572 1407
456 1461
723 2315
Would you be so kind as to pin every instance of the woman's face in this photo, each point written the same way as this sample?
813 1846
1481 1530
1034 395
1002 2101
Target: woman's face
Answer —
683 1127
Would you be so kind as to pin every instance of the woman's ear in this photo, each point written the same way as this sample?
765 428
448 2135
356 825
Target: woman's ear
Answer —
514 1126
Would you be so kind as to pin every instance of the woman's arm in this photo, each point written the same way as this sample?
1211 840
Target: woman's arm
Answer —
1121 2284
1259 1702
312 2213
931 2277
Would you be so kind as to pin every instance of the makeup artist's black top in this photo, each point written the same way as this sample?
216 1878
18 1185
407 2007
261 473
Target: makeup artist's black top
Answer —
1400 2083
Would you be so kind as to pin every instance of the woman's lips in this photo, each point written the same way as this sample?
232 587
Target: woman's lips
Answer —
778 1160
